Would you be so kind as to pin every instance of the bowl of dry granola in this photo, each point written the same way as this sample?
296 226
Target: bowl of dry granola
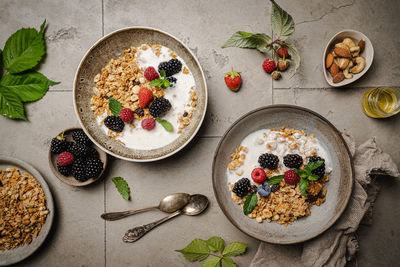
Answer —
140 94
282 174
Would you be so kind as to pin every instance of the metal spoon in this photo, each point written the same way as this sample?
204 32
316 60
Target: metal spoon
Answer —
197 204
168 204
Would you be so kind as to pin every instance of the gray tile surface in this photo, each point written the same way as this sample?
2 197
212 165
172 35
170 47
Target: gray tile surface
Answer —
80 237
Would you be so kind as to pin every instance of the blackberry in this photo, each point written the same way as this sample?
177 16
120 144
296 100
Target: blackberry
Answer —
253 189
311 198
114 123
64 170
78 169
320 171
275 187
172 81
80 137
58 145
92 153
93 168
139 112
269 161
292 161
241 187
159 107
79 150
170 67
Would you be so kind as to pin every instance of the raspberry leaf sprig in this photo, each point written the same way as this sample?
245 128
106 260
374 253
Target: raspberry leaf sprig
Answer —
307 175
282 25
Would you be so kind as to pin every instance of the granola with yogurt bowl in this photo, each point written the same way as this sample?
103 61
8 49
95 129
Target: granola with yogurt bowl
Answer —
285 170
137 80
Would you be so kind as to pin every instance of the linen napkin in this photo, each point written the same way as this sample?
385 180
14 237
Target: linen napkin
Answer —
338 244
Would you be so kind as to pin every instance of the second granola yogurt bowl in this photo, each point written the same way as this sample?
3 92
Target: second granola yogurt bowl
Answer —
114 69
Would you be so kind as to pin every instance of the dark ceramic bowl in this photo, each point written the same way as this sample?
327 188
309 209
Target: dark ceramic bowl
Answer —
111 46
339 187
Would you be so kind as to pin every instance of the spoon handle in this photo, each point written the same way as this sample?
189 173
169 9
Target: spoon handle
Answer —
112 216
136 233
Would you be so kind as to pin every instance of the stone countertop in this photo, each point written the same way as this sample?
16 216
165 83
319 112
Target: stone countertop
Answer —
79 236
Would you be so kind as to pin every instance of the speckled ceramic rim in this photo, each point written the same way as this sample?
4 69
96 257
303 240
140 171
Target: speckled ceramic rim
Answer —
220 201
21 253
203 113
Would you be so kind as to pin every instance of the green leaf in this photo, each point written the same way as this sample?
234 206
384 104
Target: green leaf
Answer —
216 243
114 106
294 55
302 173
249 40
281 22
313 177
162 73
227 262
122 186
250 203
234 249
166 124
157 82
42 28
23 50
212 262
29 87
275 179
10 104
303 186
197 250
314 165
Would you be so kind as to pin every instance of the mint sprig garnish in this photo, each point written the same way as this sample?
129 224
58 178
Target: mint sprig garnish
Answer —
199 250
250 203
166 124
282 25
275 179
307 175
163 83
114 106
122 187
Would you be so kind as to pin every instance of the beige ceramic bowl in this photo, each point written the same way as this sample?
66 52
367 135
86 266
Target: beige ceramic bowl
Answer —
368 54
111 46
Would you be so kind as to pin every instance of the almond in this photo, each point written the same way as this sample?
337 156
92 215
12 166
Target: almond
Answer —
342 52
361 44
338 77
334 69
329 60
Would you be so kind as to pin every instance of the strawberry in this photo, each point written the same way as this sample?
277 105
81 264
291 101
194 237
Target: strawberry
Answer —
233 80
282 52
145 96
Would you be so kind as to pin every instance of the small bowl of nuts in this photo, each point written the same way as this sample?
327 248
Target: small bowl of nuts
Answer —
348 56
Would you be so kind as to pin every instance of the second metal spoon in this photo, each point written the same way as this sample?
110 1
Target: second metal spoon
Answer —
168 204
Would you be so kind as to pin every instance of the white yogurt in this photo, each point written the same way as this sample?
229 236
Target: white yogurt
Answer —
257 144
179 97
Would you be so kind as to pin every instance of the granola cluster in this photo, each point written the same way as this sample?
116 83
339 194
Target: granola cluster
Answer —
22 208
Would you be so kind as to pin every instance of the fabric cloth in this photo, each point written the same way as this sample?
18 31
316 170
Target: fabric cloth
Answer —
338 244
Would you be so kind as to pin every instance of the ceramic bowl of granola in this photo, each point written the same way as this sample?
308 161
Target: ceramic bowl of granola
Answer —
282 174
140 94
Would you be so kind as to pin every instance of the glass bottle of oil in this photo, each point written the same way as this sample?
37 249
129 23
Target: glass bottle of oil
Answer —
381 102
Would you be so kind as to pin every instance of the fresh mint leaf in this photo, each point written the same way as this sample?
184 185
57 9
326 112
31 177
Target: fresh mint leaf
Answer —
212 262
303 186
10 104
216 243
114 106
197 250
314 165
234 249
227 262
162 73
166 84
157 82
313 177
275 179
249 204
302 173
166 124
294 55
28 87
281 22
23 50
122 187
249 40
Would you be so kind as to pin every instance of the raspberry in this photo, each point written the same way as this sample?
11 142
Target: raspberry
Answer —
291 177
148 124
65 159
292 161
282 52
159 107
320 171
114 123
241 187
80 137
170 67
151 74
258 175
64 170
93 168
126 115
269 161
269 65
145 96
78 170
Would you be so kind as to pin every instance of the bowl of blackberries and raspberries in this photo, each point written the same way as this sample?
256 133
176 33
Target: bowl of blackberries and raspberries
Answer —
74 159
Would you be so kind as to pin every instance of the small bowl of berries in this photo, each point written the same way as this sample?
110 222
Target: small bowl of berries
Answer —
74 159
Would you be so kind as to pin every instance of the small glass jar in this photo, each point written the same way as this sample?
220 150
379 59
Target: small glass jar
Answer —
381 102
